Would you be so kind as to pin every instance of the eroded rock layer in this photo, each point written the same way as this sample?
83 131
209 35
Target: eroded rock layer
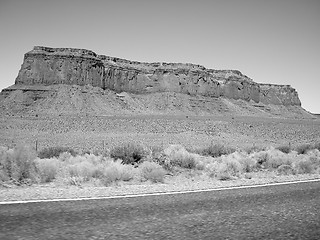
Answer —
49 66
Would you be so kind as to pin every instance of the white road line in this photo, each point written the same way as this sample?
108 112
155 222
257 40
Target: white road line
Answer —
157 194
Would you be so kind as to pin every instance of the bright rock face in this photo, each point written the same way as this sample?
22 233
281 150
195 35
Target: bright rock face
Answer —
279 95
48 66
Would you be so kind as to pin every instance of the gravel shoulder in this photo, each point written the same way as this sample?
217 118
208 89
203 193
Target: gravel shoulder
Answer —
171 184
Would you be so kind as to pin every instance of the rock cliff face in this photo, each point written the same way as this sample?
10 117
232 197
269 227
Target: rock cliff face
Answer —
279 95
49 66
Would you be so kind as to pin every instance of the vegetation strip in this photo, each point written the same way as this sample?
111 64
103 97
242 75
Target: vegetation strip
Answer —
159 193
26 174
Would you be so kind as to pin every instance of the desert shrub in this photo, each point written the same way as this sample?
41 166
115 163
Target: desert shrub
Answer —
303 165
82 169
222 173
277 158
116 171
3 155
240 162
95 160
129 153
110 175
215 150
317 146
55 152
212 168
152 171
225 168
163 160
98 171
314 157
260 157
254 149
47 168
65 156
3 158
18 164
272 158
248 164
76 180
284 148
3 176
3 152
127 172
303 148
179 156
88 167
285 170
184 160
97 152
156 150
201 161
233 166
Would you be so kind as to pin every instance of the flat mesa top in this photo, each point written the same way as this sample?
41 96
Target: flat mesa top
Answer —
108 60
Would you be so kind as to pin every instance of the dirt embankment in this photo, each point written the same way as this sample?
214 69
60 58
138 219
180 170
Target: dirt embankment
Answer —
58 100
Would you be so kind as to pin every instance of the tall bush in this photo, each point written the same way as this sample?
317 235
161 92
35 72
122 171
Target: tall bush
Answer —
215 150
47 168
55 152
304 165
303 148
284 148
179 156
129 153
18 164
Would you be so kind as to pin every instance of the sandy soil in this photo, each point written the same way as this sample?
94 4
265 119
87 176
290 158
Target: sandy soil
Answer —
103 132
171 184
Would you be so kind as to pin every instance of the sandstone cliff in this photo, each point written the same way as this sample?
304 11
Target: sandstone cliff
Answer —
49 66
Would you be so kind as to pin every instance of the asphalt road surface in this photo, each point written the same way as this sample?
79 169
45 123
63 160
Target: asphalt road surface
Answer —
273 212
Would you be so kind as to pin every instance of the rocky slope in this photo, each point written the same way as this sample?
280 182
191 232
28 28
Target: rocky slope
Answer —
49 75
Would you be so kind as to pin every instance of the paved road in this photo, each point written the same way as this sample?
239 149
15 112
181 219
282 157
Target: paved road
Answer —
274 212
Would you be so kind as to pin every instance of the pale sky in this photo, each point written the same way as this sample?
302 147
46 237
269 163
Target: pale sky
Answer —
270 41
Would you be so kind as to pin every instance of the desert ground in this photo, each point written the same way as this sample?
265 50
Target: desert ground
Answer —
99 133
